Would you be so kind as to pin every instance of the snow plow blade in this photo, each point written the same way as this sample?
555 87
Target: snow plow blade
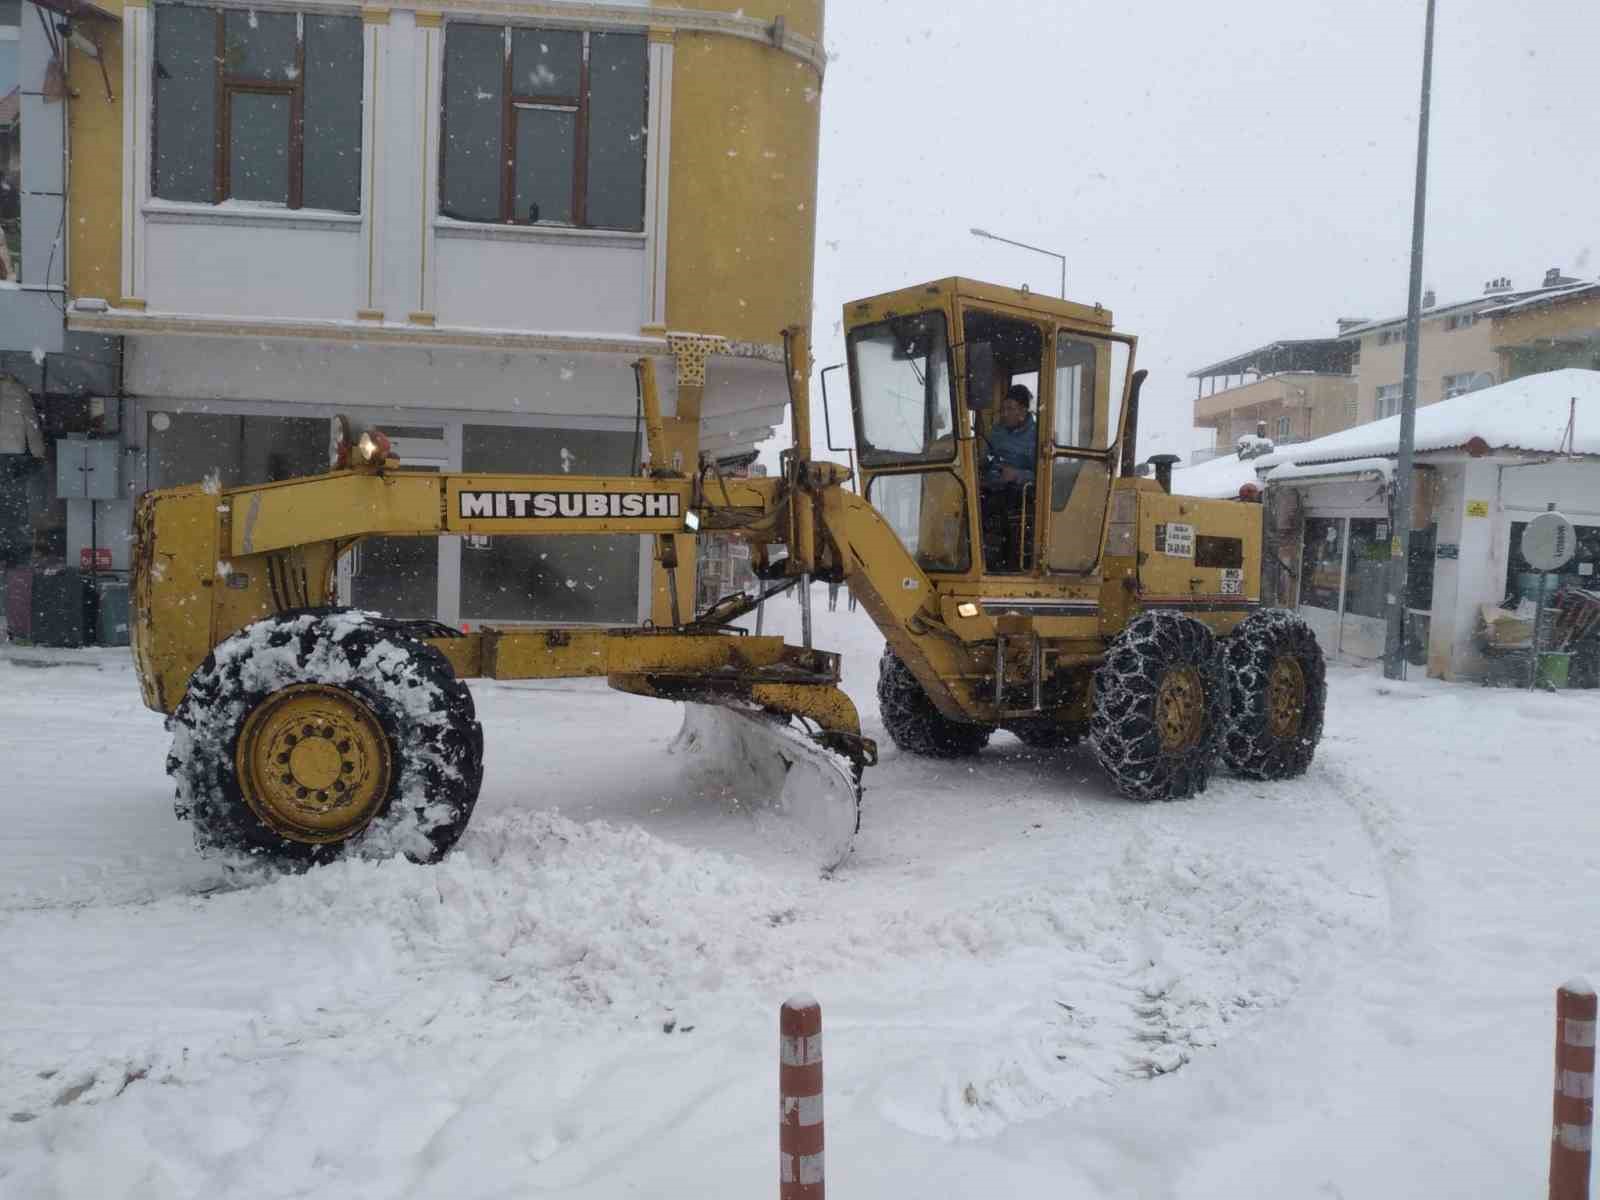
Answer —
762 762
787 745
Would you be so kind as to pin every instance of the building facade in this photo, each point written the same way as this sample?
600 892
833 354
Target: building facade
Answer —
1547 332
1291 390
1458 347
462 222
1487 463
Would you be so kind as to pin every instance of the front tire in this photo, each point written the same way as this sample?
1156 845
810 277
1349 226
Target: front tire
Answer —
916 726
1160 707
1278 684
306 734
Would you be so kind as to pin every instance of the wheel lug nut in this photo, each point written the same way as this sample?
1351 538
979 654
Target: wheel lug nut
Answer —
344 746
347 767
306 731
301 793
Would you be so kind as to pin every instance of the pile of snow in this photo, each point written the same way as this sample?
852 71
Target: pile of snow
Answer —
1217 478
1254 446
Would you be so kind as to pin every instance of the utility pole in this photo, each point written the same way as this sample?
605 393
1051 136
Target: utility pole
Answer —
1394 657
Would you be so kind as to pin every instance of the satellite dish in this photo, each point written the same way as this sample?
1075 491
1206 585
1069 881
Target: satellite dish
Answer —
1549 542
1481 380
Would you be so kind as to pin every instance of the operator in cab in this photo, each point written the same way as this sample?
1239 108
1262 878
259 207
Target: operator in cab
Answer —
1012 453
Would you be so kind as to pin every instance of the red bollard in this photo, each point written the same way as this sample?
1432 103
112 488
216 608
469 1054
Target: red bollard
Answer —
1573 1134
800 1099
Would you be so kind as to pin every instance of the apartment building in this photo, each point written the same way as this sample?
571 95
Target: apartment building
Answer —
1458 349
1295 389
1547 331
463 222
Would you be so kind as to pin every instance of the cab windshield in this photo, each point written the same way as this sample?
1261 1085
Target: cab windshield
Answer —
905 404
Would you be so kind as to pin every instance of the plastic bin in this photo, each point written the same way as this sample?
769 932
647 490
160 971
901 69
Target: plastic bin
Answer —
61 605
1555 668
19 603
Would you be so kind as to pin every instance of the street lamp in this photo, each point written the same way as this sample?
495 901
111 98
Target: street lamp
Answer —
984 233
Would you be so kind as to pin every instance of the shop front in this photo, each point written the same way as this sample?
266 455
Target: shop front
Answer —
1345 543
460 581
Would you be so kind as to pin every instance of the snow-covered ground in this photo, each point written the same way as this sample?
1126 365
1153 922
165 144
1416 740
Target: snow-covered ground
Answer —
1338 987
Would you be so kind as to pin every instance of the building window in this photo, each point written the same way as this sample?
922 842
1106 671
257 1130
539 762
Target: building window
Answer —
1388 400
1464 320
544 126
1390 336
1458 385
1285 425
257 107
1352 409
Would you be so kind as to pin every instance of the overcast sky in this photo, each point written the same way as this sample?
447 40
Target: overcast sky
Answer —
1218 175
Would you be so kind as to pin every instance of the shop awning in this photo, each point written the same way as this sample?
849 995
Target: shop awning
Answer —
1355 470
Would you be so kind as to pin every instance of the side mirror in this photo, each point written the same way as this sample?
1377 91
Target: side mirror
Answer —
980 376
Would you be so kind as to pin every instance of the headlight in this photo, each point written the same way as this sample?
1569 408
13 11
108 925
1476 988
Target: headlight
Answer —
373 447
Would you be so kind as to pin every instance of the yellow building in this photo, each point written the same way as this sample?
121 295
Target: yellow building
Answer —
1548 331
1456 351
462 221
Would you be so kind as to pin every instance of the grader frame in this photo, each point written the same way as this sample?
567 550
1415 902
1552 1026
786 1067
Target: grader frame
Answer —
1119 576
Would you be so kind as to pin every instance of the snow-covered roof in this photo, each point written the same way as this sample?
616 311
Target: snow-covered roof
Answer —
1528 414
1218 478
1554 296
1496 302
1285 471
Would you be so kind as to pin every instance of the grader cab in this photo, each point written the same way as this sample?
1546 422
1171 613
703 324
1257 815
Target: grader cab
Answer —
1023 575
1067 596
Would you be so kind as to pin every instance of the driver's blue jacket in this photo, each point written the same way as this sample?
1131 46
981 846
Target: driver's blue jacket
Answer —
1017 448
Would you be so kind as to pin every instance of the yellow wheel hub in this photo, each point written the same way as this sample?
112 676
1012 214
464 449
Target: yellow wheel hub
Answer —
1286 697
314 763
1180 708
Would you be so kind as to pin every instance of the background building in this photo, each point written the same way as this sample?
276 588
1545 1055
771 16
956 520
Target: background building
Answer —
1549 330
464 226
1297 389
1487 463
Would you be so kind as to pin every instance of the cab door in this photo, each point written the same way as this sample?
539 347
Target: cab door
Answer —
1086 390
1008 525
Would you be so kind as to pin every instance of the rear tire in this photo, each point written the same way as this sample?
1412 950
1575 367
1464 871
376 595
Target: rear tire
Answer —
916 726
1160 707
308 734
1278 685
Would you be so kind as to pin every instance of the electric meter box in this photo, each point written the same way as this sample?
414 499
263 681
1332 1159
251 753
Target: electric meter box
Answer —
87 470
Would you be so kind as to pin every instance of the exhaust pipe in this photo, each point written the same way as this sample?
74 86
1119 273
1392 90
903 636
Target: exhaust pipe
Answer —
1130 425
1163 464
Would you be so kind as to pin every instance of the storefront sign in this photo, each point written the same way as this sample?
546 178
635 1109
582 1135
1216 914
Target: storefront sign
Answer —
1477 508
1447 550
96 558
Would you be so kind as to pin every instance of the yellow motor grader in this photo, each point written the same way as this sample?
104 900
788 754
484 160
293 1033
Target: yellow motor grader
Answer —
1073 599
